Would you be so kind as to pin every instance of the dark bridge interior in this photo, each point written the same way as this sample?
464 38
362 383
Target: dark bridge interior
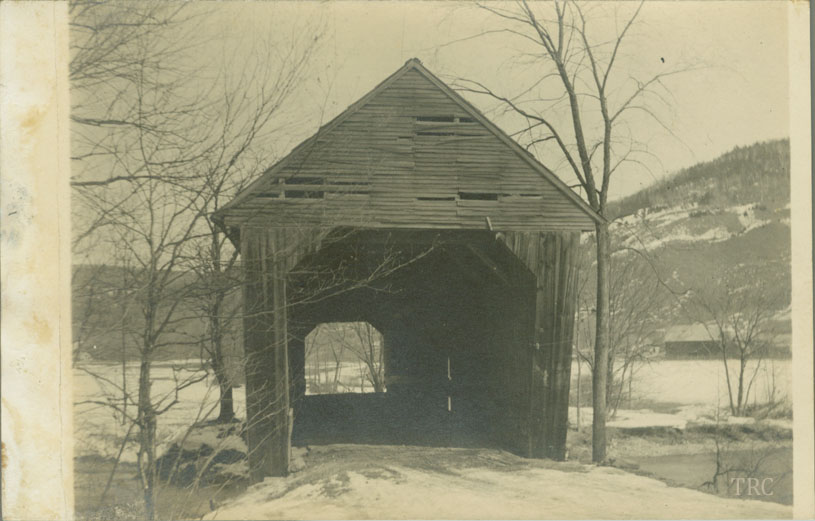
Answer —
456 312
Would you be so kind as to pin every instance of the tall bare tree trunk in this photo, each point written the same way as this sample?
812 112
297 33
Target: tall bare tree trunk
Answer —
600 373
225 400
741 398
723 349
147 444
123 298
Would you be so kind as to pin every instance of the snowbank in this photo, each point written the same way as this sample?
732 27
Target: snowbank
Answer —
685 415
209 453
379 483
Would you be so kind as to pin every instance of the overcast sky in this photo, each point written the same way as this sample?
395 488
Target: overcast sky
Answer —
737 93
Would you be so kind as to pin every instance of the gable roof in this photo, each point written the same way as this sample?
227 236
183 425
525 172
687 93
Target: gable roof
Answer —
414 64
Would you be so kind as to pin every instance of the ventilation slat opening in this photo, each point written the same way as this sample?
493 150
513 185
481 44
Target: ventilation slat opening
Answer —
440 198
522 196
344 193
435 119
429 133
477 196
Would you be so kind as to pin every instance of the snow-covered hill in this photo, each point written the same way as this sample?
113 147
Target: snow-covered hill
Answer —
722 225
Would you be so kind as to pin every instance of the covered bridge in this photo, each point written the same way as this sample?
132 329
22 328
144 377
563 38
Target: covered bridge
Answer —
411 211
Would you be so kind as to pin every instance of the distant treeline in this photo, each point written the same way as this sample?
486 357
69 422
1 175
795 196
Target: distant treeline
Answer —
757 173
108 319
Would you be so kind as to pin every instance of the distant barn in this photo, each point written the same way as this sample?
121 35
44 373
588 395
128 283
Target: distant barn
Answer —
412 212
694 342
690 342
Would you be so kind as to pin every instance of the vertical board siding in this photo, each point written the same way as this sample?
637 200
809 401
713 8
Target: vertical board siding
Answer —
552 258
268 255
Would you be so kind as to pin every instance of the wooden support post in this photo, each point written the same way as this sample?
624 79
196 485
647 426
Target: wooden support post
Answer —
552 257
267 375
560 299
268 256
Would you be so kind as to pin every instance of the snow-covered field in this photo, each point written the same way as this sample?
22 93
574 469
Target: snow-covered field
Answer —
351 377
704 382
698 385
99 429
381 482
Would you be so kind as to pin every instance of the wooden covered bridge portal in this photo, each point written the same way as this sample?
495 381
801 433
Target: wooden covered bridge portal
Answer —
413 212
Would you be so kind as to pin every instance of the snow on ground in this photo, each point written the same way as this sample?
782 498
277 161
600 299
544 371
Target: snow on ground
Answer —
698 414
98 428
695 385
661 218
703 382
679 234
212 436
435 483
654 230
747 217
366 482
630 419
351 377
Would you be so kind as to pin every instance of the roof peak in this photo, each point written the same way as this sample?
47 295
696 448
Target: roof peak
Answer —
415 64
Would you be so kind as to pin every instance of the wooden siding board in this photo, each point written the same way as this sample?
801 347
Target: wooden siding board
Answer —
378 144
552 257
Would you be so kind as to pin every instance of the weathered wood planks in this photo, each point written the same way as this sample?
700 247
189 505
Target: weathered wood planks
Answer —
268 255
411 141
413 160
552 258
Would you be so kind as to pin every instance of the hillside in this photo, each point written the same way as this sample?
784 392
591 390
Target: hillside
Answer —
108 318
757 174
722 225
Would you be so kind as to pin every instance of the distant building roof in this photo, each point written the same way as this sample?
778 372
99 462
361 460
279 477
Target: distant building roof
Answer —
689 333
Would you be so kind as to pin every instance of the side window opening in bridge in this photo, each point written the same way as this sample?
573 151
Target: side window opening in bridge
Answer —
344 357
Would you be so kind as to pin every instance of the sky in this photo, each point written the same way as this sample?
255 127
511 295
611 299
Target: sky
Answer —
732 91
735 91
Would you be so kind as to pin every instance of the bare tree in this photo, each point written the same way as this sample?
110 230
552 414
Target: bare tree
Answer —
155 150
637 304
736 464
369 349
250 103
740 320
580 75
138 142
363 342
325 349
155 236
